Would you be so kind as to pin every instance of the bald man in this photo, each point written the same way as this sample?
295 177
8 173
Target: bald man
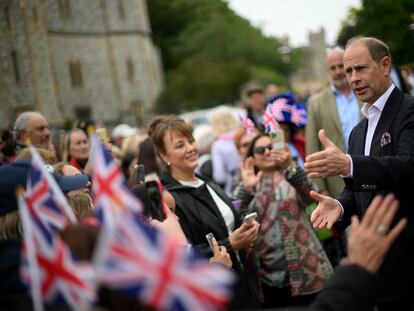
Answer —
31 127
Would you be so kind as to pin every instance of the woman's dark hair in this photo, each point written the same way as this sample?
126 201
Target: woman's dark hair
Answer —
151 200
148 157
292 129
253 142
9 147
141 192
126 162
251 147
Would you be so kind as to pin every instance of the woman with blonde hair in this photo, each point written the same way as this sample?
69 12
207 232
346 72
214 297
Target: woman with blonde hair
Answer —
224 155
81 204
76 148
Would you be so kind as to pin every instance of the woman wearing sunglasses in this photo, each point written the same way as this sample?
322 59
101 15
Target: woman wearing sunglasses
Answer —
293 265
201 205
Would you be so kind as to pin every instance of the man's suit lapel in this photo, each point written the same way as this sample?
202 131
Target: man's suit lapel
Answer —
388 113
360 134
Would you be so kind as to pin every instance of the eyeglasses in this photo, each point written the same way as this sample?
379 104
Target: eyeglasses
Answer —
262 149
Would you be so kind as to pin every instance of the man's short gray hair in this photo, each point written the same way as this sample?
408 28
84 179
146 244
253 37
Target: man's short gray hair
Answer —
336 48
22 122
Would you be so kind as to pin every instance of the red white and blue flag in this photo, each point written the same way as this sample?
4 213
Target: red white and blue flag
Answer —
281 109
47 264
269 120
109 185
246 123
299 115
154 268
47 204
144 263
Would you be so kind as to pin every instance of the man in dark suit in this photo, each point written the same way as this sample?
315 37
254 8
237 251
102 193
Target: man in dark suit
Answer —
380 159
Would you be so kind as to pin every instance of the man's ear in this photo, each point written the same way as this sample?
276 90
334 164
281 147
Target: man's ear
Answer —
21 134
386 64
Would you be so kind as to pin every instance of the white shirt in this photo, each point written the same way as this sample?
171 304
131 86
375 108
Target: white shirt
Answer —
373 114
224 209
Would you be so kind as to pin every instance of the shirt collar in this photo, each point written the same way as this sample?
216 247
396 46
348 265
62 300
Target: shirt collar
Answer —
336 92
379 103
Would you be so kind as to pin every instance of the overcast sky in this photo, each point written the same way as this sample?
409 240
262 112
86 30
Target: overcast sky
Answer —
295 18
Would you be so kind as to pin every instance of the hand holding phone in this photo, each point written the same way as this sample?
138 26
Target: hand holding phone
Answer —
210 237
278 139
249 218
139 173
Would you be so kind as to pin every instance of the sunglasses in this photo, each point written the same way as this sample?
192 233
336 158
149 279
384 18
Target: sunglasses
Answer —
262 149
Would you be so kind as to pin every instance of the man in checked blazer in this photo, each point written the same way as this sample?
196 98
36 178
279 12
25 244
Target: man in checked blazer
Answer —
380 160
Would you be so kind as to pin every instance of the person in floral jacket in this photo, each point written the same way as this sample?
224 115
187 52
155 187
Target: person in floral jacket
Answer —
293 266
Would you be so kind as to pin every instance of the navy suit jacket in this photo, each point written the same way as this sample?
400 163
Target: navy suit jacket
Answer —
388 168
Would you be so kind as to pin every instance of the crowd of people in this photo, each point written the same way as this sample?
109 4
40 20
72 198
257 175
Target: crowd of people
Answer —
308 221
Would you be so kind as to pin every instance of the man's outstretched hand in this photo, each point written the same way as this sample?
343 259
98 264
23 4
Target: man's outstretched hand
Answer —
326 213
329 162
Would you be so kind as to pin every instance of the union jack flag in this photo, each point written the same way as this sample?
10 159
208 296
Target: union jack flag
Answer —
109 186
269 120
299 115
146 264
246 122
47 204
47 265
151 266
281 109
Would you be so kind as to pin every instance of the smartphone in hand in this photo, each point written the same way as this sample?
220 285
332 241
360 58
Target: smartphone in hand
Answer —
278 139
249 218
139 173
210 237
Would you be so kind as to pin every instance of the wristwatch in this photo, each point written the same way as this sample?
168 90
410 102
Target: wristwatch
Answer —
291 170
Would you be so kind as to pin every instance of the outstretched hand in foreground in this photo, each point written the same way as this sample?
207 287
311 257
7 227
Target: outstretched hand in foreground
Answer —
370 239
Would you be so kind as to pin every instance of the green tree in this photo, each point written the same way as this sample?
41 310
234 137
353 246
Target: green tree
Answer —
388 20
209 52
348 29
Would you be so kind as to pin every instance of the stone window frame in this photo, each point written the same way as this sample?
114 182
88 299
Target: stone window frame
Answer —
75 72
65 9
121 9
7 17
15 65
130 69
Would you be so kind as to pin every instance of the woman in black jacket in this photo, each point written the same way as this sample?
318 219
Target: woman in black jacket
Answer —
201 205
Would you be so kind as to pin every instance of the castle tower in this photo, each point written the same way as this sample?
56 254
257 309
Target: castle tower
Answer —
75 59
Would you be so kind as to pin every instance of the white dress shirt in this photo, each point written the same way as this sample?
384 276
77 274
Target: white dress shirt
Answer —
373 114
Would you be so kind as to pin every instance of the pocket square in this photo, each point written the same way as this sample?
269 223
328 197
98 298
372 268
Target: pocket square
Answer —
385 139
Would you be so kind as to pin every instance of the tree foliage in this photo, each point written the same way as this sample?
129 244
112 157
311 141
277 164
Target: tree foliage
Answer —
209 52
388 20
